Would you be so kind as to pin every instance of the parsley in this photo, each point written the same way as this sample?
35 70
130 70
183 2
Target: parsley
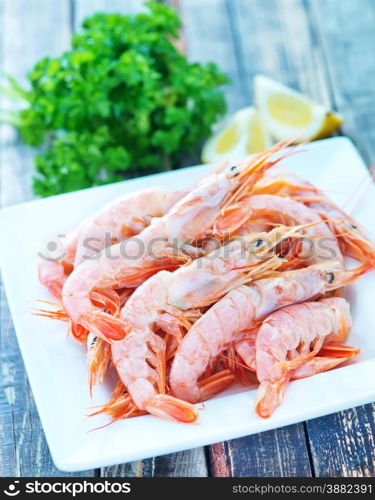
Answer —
122 101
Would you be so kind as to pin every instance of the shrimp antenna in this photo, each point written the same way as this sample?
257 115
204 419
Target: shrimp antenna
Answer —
254 168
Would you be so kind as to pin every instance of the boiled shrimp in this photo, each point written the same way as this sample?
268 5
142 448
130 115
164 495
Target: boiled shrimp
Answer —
123 217
150 309
140 357
278 209
155 247
351 236
235 318
290 337
52 272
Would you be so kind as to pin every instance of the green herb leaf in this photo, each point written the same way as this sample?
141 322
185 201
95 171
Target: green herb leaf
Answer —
122 101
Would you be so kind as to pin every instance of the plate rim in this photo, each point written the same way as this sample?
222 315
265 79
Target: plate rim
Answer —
69 463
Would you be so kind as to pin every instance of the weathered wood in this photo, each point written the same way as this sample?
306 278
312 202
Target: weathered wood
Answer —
85 8
343 444
208 35
346 35
189 463
28 34
276 40
345 32
281 452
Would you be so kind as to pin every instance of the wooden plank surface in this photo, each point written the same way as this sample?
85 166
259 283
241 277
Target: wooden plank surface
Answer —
208 36
280 452
345 32
343 444
85 8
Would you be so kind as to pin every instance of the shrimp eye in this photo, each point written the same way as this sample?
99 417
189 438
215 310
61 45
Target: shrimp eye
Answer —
259 243
330 277
93 341
233 170
351 225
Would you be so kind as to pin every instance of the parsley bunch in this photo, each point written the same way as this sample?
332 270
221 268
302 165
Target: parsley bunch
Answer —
122 101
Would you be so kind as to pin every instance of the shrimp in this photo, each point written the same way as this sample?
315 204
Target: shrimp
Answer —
285 211
235 318
207 279
352 237
140 357
53 272
150 309
124 216
290 337
154 249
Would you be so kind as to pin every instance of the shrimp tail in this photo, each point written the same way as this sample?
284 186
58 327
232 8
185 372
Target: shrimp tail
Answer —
214 384
339 351
55 288
109 299
135 277
105 326
171 408
329 357
79 332
270 395
232 218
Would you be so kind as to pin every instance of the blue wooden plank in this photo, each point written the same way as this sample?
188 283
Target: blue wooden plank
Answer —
343 444
275 453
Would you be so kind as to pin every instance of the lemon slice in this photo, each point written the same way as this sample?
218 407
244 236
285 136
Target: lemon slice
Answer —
289 115
237 136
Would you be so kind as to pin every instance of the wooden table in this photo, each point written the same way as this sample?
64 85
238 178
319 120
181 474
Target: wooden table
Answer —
323 47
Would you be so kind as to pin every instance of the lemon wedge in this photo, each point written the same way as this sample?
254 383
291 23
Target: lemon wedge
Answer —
237 136
288 114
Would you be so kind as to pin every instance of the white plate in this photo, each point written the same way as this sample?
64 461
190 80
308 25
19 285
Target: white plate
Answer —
56 365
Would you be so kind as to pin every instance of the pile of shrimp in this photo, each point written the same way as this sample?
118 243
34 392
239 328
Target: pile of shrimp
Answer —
236 279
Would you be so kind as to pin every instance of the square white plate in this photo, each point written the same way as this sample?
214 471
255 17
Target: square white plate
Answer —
56 365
